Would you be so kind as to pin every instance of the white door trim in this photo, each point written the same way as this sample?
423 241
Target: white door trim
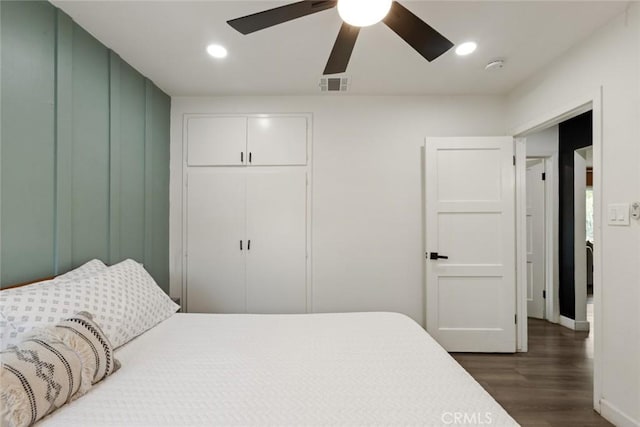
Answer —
589 101
580 238
522 335
552 281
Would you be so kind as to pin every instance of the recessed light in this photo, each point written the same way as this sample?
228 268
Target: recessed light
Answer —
216 51
466 48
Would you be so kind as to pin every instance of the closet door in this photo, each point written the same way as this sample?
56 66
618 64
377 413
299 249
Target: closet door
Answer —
276 228
216 141
215 228
277 141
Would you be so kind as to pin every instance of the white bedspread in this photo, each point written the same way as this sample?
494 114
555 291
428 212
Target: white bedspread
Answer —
319 369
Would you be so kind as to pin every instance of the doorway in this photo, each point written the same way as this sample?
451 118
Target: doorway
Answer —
591 105
559 269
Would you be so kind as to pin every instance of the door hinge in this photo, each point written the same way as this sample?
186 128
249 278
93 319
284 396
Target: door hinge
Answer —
515 319
544 294
544 176
514 160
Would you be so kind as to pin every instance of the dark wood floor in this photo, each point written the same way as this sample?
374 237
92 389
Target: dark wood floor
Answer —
550 385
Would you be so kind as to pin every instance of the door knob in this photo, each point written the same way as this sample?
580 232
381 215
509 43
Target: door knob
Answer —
435 255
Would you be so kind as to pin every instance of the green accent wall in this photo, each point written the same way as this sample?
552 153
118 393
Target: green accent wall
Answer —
84 167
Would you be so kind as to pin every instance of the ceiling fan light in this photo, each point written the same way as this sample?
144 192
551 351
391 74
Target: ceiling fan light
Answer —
363 13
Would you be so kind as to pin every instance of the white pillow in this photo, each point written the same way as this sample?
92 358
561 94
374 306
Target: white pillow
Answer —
124 299
88 269
49 302
145 304
23 308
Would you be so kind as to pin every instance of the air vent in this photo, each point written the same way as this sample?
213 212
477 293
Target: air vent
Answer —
334 84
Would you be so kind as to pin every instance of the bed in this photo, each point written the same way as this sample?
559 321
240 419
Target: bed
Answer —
310 369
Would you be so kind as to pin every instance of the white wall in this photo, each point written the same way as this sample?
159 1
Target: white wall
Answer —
368 227
543 143
609 59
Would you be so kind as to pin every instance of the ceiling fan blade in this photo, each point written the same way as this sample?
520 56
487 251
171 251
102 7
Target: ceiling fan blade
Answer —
268 18
422 37
342 48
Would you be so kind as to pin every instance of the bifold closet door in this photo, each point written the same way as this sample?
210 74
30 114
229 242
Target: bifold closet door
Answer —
215 227
276 228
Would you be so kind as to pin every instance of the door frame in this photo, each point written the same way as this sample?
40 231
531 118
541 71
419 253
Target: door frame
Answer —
591 100
580 219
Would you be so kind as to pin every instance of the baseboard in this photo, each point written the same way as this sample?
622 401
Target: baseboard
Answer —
567 323
576 325
616 416
581 325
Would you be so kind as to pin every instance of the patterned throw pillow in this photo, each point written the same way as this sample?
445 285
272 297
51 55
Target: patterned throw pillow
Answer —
81 333
124 299
52 367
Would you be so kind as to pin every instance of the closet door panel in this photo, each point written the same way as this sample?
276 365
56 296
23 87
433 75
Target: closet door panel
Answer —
277 141
215 227
276 227
216 141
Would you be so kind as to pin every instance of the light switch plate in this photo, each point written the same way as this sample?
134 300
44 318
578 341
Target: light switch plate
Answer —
618 214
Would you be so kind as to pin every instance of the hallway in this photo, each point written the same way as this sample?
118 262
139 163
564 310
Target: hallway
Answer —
551 385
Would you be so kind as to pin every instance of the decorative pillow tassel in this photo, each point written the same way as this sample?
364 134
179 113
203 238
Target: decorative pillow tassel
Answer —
15 410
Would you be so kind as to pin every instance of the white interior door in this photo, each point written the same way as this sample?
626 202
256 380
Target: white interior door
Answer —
276 229
277 141
216 141
535 238
470 192
215 228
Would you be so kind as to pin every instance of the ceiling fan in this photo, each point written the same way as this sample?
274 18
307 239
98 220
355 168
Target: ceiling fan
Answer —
356 14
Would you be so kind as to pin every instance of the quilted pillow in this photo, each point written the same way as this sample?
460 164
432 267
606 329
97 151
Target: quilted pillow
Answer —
52 367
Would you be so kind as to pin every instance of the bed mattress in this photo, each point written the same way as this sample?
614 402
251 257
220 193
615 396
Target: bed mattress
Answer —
313 369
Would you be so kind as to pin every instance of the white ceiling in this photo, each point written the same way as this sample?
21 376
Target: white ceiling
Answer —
166 41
